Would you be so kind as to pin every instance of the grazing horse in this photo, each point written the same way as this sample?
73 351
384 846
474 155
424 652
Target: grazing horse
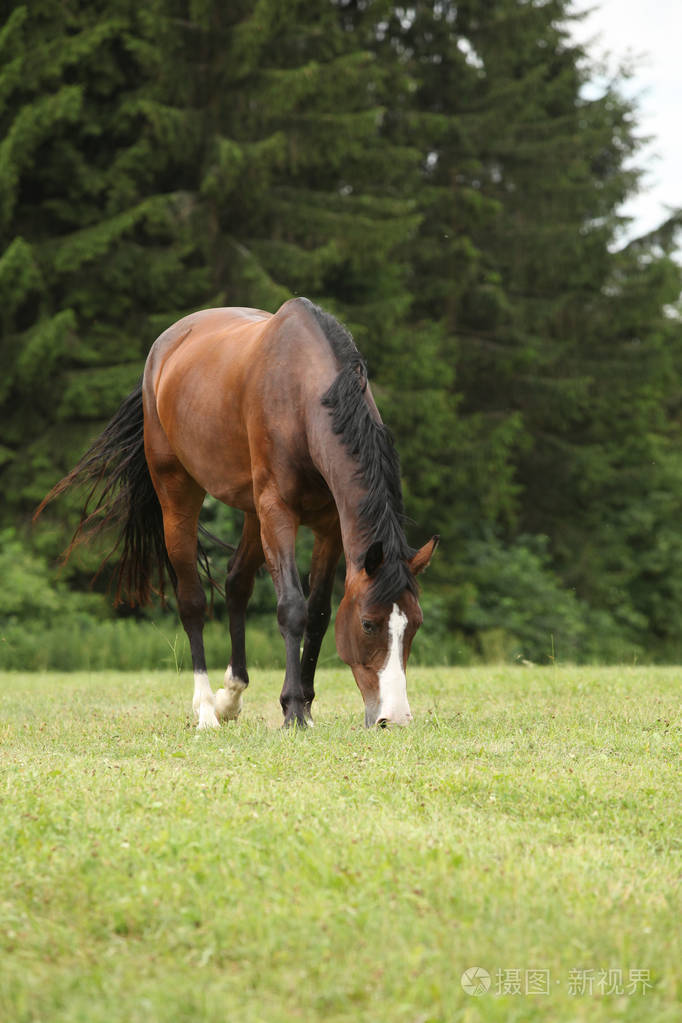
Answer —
271 414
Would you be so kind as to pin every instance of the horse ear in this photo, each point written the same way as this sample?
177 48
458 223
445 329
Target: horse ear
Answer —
373 557
419 561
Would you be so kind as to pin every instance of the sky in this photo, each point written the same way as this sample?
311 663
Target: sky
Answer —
648 30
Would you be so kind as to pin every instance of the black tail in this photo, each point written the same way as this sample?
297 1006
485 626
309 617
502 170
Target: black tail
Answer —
122 496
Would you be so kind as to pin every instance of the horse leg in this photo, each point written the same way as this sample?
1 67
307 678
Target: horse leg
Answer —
238 588
181 499
326 554
278 535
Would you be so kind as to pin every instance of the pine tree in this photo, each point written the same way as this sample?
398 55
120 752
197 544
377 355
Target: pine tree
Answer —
93 241
435 175
551 359
172 157
298 192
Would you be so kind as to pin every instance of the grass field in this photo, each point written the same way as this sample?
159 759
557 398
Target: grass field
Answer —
527 824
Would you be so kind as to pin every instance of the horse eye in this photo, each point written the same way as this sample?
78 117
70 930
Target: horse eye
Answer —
369 627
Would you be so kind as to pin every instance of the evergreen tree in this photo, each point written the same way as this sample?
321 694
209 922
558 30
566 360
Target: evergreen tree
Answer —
297 190
162 159
437 177
94 249
551 352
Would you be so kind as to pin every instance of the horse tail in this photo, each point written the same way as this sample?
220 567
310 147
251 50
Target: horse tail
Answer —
122 497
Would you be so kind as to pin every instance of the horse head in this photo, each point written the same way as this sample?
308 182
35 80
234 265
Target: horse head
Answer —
374 637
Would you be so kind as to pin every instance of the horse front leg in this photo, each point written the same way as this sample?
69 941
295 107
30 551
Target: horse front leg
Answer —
326 554
238 589
279 526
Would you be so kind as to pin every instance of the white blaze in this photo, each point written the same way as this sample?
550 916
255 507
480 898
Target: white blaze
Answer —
393 705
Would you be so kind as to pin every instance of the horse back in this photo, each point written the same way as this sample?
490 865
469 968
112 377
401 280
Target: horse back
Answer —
235 391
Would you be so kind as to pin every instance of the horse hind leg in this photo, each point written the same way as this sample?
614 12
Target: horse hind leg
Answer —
181 541
238 589
181 499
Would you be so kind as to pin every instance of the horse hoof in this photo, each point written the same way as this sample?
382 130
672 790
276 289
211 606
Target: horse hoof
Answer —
228 701
298 721
207 718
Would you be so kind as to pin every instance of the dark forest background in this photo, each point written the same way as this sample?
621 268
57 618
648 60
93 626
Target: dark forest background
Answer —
439 176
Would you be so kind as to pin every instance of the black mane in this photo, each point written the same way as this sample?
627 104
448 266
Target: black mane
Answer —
370 445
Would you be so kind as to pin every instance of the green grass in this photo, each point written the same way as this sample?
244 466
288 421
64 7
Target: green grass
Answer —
529 819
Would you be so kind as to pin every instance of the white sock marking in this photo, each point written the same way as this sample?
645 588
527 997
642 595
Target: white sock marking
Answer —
204 701
228 700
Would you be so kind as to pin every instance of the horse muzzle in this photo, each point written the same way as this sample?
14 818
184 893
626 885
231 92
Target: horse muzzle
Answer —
387 717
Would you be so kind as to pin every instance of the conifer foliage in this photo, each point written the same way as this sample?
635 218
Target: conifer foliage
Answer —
438 176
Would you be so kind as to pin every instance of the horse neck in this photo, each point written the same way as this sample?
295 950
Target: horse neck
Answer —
339 471
348 493
332 453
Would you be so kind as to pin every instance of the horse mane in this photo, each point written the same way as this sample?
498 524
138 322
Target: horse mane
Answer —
370 445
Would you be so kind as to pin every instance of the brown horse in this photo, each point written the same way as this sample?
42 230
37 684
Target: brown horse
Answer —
271 414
